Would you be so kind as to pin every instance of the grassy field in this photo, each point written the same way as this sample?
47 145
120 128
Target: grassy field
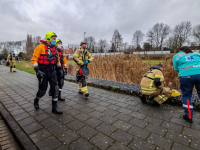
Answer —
28 67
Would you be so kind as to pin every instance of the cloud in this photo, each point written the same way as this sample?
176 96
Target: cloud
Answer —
70 19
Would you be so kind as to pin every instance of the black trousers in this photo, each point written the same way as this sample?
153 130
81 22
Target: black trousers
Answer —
49 77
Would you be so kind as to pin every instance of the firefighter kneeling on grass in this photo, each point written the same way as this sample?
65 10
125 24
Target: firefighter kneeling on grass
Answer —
152 87
82 57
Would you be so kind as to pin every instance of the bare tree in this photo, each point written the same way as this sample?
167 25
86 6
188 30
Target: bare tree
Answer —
36 41
157 35
29 47
196 33
117 41
90 43
102 45
137 38
181 33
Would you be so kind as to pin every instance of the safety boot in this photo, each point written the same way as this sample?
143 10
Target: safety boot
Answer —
59 97
55 108
50 93
185 117
36 104
143 98
87 94
10 69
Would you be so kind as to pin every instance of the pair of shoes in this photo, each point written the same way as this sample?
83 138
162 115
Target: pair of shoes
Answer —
185 117
143 98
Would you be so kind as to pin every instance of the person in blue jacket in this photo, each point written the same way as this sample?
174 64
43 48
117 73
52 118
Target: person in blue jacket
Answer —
187 64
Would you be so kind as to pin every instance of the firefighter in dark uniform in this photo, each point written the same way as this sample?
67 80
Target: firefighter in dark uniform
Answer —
82 57
61 71
45 60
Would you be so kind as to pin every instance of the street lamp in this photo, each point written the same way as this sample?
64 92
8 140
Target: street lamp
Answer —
84 35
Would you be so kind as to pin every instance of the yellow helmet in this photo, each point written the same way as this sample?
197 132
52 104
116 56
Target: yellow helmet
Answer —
49 35
58 40
175 93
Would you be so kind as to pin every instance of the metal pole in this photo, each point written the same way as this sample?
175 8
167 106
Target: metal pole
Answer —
84 35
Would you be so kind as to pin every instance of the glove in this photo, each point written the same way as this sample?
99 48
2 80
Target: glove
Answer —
65 71
86 62
39 74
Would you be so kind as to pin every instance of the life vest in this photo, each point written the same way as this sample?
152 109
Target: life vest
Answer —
50 56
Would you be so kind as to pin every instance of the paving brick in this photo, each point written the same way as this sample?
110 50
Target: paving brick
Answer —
65 119
138 144
153 120
124 110
175 136
81 144
21 116
62 147
162 116
141 133
106 129
82 117
117 146
16 112
73 112
195 126
138 115
87 110
177 146
39 135
87 132
122 125
191 132
195 144
113 107
67 137
172 126
108 119
93 122
75 125
96 114
49 143
100 108
101 141
57 129
122 137
160 141
111 112
36 112
49 122
123 117
180 122
32 127
138 122
26 121
156 129
42 117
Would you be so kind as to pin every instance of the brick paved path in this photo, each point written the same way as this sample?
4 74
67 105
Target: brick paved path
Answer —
7 142
105 120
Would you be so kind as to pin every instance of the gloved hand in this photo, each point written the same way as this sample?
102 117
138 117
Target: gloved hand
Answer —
86 62
40 74
65 71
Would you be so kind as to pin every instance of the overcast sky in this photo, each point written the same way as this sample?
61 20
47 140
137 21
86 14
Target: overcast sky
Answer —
69 19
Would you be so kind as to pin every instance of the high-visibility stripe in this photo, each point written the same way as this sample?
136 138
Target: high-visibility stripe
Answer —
150 76
65 64
160 76
58 64
163 97
79 61
147 92
89 54
83 89
55 99
186 106
76 55
80 58
148 89
151 84
60 89
188 103
35 64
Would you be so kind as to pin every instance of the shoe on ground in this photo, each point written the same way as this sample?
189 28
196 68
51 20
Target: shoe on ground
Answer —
143 99
185 117
87 94
154 103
